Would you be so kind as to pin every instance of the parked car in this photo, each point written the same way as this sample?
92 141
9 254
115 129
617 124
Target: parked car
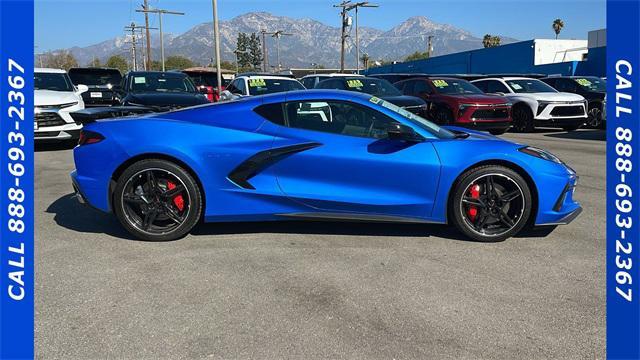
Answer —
379 88
100 82
161 91
592 88
252 85
55 98
395 77
310 81
536 103
458 102
315 155
206 80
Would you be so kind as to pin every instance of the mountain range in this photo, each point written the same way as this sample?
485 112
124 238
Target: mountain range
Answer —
311 41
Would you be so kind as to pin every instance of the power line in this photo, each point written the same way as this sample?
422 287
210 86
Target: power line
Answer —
161 12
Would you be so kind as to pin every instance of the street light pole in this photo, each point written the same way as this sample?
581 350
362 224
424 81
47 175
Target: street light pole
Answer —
356 6
216 36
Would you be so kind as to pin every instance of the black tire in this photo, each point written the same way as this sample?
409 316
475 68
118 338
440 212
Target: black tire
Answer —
443 116
497 132
157 212
496 219
522 119
595 120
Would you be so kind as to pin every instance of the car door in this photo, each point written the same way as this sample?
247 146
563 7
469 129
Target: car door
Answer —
344 161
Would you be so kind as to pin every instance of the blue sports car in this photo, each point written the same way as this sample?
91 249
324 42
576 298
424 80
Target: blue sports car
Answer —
318 154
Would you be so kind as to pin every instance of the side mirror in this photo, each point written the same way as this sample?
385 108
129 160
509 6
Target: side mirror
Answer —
397 131
82 89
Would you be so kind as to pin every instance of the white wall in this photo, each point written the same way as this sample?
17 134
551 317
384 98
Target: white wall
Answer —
597 38
551 51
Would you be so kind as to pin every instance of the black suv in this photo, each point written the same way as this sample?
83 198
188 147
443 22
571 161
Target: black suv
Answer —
160 91
100 82
592 88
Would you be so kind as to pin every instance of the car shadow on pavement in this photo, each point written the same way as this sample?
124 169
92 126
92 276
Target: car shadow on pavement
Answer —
597 135
72 215
55 146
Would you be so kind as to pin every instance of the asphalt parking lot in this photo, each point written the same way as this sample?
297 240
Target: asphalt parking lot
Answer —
322 289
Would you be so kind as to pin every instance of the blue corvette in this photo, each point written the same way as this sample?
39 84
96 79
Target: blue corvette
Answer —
314 155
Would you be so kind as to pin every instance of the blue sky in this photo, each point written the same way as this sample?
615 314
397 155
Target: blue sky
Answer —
67 23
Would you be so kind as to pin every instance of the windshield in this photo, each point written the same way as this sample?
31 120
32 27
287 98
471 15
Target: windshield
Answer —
206 79
262 86
454 86
52 81
425 124
161 82
95 77
377 87
592 83
530 86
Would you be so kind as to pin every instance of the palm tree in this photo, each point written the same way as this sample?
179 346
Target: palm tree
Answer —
491 41
557 26
486 40
365 60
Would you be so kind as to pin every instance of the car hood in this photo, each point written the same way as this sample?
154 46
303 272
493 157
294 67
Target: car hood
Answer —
404 100
476 98
562 96
166 99
50 97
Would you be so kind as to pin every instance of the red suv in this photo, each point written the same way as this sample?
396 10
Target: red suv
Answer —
457 102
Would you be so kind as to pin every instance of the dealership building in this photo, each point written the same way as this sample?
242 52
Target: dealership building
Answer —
537 56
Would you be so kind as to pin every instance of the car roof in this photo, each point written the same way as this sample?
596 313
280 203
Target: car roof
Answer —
333 75
156 72
272 77
506 78
49 71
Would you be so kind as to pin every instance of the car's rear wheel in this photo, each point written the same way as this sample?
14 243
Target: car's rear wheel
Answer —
157 200
490 203
522 119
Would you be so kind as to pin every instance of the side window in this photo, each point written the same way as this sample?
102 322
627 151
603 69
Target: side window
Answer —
422 87
271 112
332 84
338 118
482 85
242 87
232 87
309 82
495 86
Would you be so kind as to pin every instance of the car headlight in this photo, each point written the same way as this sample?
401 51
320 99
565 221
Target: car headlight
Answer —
539 153
542 105
463 107
62 106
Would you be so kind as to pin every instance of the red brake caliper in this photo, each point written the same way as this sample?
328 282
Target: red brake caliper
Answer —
474 193
178 200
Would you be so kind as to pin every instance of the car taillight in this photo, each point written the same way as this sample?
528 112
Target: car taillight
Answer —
89 137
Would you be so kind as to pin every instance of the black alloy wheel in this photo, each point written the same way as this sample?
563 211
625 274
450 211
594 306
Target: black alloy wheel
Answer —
491 203
595 117
522 119
157 200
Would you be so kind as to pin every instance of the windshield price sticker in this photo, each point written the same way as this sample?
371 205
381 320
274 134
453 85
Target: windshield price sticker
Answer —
139 80
440 83
354 83
583 82
259 82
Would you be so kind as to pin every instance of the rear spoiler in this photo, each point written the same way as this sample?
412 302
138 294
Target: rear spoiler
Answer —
90 115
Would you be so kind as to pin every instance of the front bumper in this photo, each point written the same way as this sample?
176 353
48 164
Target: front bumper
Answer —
56 124
557 207
561 122
486 125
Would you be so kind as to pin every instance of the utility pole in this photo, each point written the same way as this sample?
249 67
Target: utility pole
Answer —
265 55
343 35
277 34
147 35
356 6
161 12
429 46
134 42
216 37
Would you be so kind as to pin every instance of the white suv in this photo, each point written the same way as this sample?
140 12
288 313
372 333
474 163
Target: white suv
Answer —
252 85
536 103
55 98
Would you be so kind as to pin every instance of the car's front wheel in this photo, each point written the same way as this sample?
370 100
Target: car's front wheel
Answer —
490 203
157 200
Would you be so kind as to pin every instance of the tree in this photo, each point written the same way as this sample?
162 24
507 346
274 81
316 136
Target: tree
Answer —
176 62
118 62
242 55
417 56
491 41
365 60
255 51
557 26
95 63
59 60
